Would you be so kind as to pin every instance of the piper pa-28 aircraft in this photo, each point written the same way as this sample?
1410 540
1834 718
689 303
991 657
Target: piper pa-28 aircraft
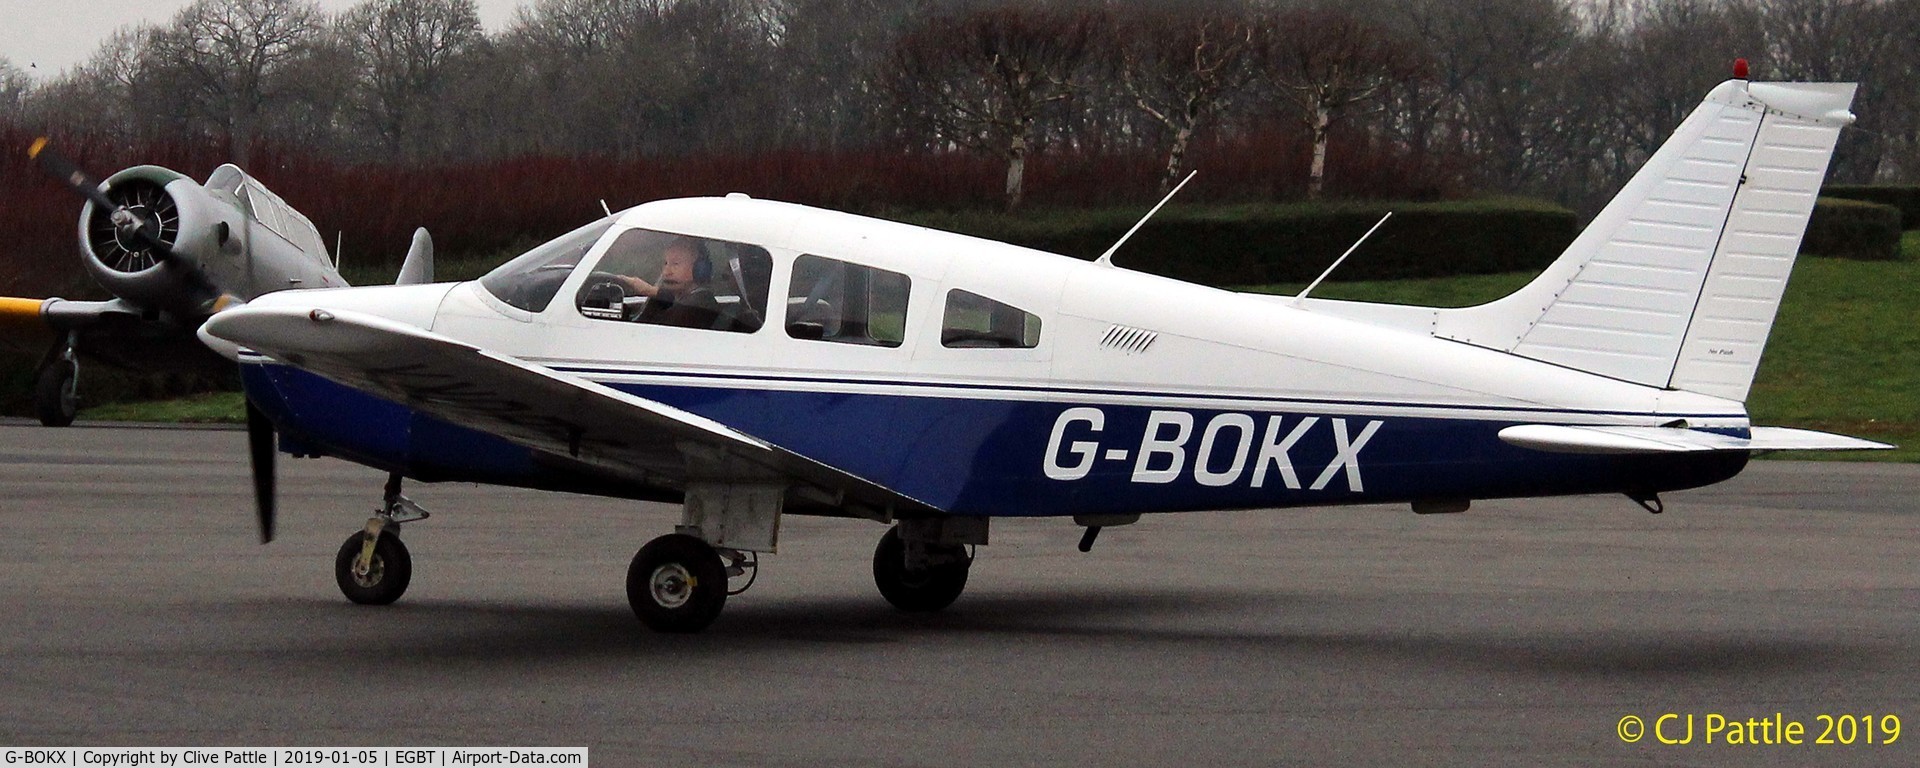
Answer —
753 359
172 252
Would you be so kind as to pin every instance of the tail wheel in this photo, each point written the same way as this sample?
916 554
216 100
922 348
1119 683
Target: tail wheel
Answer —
56 394
925 589
386 576
677 583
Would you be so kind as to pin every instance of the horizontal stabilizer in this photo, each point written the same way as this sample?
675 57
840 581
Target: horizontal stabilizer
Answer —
1556 438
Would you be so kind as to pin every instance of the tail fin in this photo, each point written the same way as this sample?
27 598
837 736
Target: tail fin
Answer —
417 269
1676 283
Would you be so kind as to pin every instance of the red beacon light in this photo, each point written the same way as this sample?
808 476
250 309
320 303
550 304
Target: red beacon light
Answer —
1739 69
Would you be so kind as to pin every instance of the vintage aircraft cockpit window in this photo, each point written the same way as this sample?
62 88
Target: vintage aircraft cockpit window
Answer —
832 300
530 280
667 279
975 321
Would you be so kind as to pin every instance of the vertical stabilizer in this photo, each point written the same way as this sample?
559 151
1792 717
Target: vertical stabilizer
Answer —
417 269
1675 284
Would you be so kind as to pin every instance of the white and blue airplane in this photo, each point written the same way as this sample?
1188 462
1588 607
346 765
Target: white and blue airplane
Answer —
752 359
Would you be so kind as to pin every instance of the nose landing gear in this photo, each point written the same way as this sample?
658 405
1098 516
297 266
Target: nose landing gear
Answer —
373 567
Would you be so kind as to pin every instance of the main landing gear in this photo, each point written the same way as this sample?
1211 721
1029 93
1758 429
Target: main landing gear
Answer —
919 577
678 583
681 581
373 567
56 388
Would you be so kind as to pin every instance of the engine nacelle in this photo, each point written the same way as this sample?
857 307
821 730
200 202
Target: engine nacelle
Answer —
230 236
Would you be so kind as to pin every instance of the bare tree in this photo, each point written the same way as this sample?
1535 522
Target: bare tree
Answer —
833 54
1329 62
1183 67
404 51
15 83
235 55
982 80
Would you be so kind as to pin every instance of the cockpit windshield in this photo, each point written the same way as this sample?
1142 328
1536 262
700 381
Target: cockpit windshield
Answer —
531 279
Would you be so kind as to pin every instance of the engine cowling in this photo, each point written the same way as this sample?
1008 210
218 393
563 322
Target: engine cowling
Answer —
202 232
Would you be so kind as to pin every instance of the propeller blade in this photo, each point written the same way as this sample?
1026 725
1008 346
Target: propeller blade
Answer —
260 451
83 184
59 167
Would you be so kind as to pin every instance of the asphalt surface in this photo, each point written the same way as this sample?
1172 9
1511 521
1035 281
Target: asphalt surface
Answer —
138 610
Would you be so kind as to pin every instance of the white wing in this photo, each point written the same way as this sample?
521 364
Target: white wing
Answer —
627 438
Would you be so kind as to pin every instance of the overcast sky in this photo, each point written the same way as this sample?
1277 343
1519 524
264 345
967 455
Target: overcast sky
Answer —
51 35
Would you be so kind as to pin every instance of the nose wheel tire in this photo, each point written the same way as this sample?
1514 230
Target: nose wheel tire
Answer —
677 583
56 399
920 590
386 577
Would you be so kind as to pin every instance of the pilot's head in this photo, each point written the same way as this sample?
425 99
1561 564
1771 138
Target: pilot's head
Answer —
680 265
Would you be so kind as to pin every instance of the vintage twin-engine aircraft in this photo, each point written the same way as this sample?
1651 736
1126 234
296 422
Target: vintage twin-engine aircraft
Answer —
752 359
172 252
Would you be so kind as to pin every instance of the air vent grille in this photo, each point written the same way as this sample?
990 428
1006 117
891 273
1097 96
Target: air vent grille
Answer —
1128 339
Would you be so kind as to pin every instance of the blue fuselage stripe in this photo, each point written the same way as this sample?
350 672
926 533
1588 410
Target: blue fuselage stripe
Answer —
1013 457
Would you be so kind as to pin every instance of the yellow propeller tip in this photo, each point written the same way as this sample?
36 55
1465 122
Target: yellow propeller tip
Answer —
33 152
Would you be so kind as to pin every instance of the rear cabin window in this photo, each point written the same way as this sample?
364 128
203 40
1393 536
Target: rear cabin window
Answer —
660 278
973 321
833 300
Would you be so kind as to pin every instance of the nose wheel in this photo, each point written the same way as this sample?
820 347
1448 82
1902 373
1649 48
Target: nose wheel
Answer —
373 569
373 566
677 583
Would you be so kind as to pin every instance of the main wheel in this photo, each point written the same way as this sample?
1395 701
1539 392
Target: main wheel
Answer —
386 578
677 584
55 398
923 590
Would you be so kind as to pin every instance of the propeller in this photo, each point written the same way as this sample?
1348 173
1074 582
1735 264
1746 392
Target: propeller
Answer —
137 226
127 219
260 452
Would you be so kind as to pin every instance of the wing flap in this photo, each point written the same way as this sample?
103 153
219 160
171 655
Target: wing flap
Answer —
1560 438
629 438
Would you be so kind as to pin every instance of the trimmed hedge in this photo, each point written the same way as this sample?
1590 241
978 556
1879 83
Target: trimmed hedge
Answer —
1906 199
1851 229
1273 243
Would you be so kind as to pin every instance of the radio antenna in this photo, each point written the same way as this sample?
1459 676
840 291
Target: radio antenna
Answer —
1106 259
1343 257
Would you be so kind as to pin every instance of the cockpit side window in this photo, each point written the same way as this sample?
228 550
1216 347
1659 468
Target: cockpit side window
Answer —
973 321
662 278
833 300
530 280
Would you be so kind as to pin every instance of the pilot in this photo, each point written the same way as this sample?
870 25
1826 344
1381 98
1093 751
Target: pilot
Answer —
680 295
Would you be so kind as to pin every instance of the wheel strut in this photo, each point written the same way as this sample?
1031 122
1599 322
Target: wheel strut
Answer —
394 510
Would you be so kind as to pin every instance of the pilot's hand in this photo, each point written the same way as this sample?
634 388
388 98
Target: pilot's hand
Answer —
634 286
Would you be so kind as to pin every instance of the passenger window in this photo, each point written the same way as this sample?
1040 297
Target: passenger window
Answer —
667 279
832 300
976 322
